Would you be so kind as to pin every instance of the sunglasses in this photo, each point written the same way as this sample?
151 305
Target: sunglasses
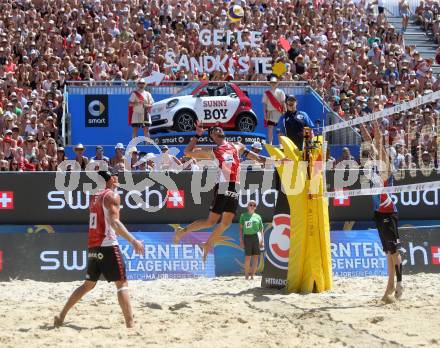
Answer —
252 205
290 104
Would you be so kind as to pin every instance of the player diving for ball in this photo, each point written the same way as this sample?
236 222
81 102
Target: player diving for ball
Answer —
226 191
104 255
385 211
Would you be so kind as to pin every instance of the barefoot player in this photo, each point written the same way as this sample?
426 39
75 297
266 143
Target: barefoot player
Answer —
104 255
385 211
226 191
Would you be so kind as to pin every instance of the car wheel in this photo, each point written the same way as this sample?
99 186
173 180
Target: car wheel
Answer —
184 121
246 123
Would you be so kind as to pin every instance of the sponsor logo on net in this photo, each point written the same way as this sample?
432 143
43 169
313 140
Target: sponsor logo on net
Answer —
406 198
151 198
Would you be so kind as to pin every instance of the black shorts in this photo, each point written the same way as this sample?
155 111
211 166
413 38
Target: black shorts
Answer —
107 261
380 9
251 245
271 123
226 201
386 224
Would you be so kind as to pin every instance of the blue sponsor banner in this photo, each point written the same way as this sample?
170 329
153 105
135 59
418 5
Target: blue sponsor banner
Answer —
117 129
226 258
163 259
357 254
229 256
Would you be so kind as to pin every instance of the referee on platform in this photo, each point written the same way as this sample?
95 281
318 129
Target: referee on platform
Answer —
292 123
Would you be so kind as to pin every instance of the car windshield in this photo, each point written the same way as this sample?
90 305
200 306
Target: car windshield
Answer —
187 89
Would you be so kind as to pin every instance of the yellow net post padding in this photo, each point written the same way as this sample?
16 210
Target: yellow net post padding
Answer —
309 267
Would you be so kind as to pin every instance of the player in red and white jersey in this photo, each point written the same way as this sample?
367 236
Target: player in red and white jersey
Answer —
104 255
385 211
101 233
226 191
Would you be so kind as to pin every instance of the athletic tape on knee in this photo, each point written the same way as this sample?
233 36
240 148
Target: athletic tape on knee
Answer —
123 288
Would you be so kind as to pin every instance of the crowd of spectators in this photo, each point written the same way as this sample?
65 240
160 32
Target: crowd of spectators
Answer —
346 50
122 159
427 14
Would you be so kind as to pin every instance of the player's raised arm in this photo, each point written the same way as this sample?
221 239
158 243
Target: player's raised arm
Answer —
382 156
366 136
112 202
198 152
250 154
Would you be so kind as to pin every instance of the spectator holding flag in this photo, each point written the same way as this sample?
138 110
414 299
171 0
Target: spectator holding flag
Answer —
274 106
139 108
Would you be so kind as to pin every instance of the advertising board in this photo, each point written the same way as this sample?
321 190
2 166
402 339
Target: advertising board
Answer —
59 253
39 201
358 253
63 257
116 128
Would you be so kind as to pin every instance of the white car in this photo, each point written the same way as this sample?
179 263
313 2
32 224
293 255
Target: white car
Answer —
212 103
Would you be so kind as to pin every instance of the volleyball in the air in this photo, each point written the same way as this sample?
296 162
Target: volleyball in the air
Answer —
235 13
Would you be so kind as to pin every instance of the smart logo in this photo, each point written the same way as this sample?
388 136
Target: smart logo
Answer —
278 241
96 110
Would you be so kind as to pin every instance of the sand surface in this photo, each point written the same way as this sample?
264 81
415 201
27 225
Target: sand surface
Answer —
223 312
